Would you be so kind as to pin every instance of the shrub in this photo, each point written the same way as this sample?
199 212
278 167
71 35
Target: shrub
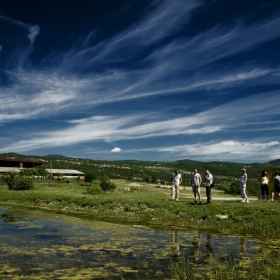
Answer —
22 183
2 181
102 178
234 188
17 182
93 190
107 185
253 190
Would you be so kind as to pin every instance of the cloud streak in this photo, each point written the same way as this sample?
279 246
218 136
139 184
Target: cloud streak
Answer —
231 117
162 76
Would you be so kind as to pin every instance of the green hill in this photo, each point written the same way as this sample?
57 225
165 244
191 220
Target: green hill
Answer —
141 170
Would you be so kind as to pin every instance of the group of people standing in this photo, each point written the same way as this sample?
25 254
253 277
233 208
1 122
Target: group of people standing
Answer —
196 181
264 180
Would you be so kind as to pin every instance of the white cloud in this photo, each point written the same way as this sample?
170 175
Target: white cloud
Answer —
184 65
116 150
235 116
228 150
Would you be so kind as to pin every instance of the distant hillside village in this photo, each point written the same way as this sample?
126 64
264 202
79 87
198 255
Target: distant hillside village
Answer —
15 165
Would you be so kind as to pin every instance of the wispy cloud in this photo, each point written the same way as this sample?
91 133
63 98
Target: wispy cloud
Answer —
229 150
21 52
223 151
32 30
164 64
151 59
233 116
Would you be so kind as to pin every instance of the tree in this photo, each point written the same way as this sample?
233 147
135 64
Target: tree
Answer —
90 177
107 185
16 181
26 172
40 171
154 179
147 178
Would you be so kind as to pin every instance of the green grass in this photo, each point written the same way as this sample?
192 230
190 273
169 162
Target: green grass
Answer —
150 205
227 270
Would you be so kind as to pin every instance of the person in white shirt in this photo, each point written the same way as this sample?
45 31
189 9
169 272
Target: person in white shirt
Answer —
196 182
243 181
176 181
209 184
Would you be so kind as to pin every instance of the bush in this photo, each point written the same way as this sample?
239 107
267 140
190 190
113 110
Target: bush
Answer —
93 190
2 181
102 178
22 183
107 185
17 182
253 190
234 188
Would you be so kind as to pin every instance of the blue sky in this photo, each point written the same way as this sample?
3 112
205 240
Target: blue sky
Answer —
146 80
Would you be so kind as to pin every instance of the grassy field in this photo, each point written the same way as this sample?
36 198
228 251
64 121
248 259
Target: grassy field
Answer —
145 204
150 205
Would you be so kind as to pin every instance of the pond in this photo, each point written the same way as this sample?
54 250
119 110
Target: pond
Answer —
37 245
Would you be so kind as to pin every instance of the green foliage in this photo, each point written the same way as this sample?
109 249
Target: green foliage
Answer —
147 179
107 185
234 188
26 172
2 181
23 183
18 182
229 269
90 176
40 171
10 178
149 205
103 178
223 172
93 190
154 179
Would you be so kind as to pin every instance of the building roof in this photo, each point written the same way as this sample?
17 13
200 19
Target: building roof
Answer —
64 171
20 160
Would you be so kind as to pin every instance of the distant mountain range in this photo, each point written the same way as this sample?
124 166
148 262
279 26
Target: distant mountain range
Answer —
274 162
137 170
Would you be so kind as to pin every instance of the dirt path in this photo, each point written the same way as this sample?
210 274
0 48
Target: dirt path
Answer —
215 193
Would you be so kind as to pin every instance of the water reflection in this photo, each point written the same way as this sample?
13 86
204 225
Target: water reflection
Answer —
208 247
7 218
243 248
60 247
175 245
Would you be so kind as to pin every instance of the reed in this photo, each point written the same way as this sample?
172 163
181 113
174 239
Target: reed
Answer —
230 269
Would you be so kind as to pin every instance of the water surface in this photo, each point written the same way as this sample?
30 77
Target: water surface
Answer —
36 245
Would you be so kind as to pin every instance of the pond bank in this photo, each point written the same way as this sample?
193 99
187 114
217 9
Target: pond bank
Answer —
149 205
37 246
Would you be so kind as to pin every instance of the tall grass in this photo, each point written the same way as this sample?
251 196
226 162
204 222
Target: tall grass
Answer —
268 269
